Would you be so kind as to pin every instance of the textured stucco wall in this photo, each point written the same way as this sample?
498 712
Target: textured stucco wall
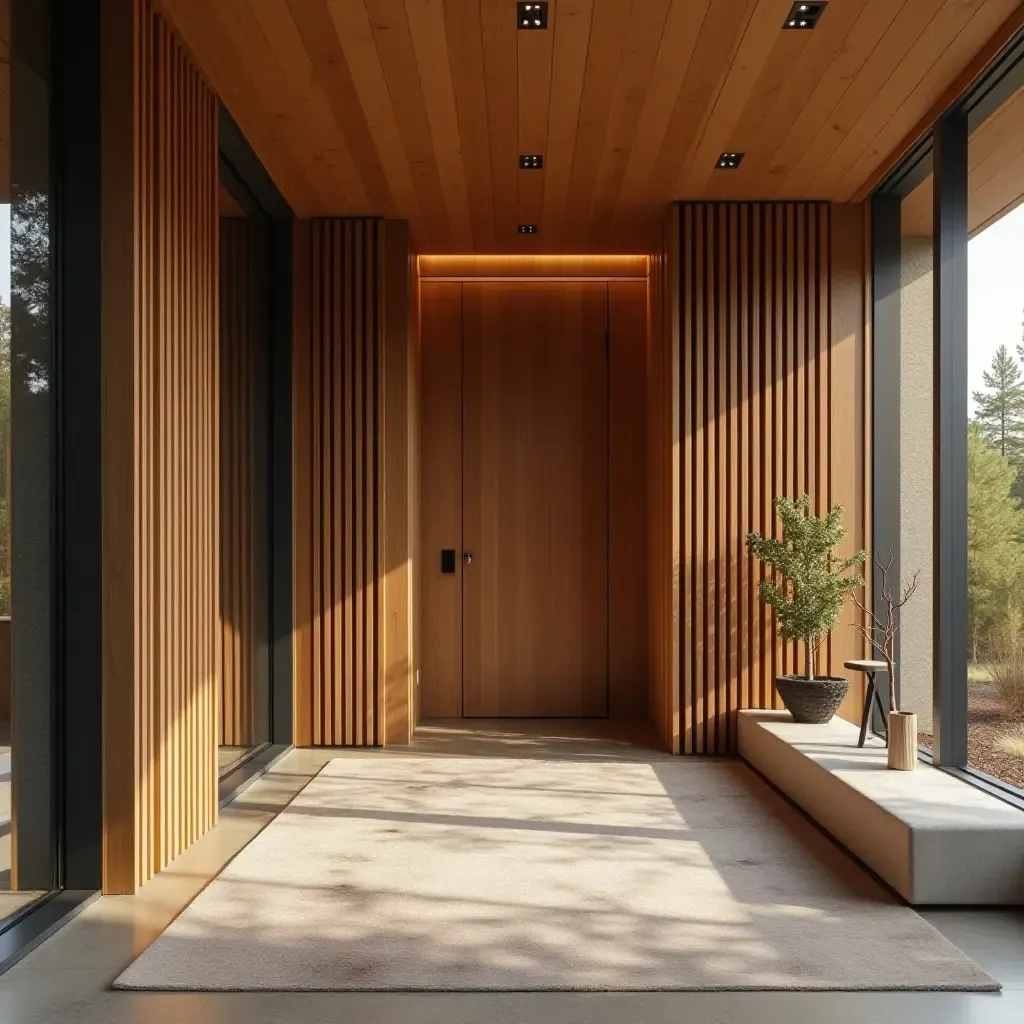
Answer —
916 391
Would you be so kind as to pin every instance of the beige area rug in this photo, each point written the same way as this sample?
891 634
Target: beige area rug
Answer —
481 874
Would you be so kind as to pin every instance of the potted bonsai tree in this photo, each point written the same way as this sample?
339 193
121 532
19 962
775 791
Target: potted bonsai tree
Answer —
806 590
880 629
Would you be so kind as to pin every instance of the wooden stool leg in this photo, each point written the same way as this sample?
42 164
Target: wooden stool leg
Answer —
866 717
882 714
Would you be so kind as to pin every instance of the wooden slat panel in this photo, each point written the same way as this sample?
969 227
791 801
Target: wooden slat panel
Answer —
161 448
771 382
353 461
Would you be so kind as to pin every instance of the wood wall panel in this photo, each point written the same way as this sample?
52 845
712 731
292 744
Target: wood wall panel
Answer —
663 486
160 447
440 604
419 109
238 560
353 534
772 361
628 664
399 455
506 267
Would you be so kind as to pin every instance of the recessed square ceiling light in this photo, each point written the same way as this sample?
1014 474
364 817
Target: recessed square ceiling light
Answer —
531 162
729 161
527 229
805 14
532 16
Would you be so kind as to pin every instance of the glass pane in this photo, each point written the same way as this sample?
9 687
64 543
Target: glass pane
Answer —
27 824
995 445
916 478
245 460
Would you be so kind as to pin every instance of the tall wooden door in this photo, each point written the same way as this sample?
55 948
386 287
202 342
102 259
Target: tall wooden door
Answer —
535 499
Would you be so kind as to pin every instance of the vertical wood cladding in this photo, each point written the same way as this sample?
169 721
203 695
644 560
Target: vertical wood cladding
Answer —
663 487
160 447
353 543
238 582
772 364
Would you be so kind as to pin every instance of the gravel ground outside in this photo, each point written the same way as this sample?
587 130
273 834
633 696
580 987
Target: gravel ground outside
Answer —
987 722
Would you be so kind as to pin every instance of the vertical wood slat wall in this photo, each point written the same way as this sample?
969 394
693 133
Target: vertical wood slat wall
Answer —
160 447
237 497
353 467
771 380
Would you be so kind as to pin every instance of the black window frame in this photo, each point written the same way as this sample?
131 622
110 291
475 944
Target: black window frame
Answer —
943 153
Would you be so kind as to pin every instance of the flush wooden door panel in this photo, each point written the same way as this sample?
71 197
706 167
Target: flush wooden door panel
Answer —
535 499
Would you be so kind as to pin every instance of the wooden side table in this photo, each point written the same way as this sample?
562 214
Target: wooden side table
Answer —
871 695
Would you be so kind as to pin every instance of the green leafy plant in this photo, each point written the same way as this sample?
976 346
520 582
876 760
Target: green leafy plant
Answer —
809 583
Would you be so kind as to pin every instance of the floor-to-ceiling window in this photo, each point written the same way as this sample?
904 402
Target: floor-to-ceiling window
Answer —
949 226
995 442
28 862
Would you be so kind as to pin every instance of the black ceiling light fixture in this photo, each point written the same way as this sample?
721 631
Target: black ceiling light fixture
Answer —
533 15
531 162
805 14
527 229
729 161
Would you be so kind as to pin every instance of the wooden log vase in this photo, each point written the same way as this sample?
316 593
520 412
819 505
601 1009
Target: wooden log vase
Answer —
902 741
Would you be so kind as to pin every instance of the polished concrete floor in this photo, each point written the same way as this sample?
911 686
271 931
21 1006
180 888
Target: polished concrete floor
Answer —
68 978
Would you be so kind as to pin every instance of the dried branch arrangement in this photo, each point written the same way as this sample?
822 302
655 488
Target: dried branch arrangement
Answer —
880 629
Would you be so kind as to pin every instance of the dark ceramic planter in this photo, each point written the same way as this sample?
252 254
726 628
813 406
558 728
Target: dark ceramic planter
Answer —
812 701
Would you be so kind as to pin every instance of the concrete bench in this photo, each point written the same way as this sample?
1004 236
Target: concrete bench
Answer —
934 838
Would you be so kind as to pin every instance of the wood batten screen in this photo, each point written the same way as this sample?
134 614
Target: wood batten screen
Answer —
772 401
353 533
238 583
160 447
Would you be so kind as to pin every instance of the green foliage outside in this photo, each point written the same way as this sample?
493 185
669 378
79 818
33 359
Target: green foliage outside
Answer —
809 583
999 406
995 532
995 511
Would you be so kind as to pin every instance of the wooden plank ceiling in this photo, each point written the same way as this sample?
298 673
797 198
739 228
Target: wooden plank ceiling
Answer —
420 108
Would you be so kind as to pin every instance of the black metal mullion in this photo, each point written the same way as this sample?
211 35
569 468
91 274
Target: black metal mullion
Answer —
949 326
